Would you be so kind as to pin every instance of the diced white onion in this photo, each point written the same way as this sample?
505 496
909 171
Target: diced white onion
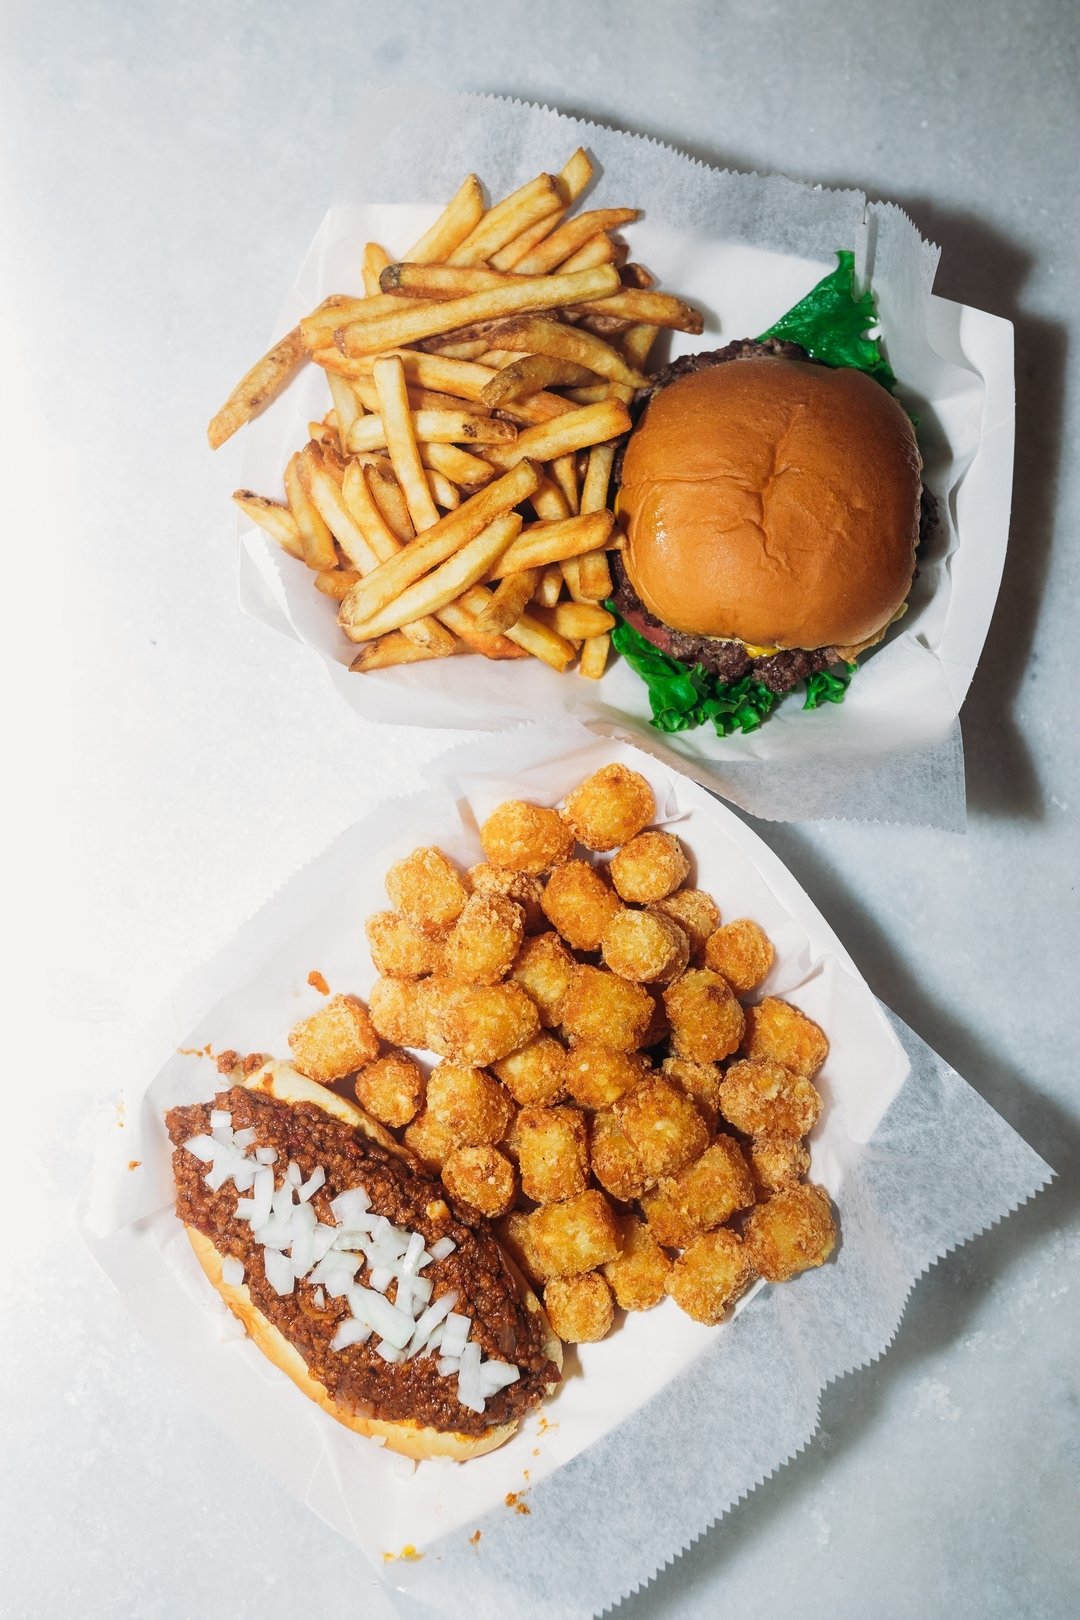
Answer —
279 1271
348 1204
389 1352
430 1319
414 1250
302 1253
390 1323
323 1238
455 1334
263 1196
496 1375
320 1299
312 1184
468 1390
350 1332
421 1290
232 1271
222 1134
381 1278
203 1148
243 1176
220 1119
293 1173
245 1138
442 1247
266 1155
448 1366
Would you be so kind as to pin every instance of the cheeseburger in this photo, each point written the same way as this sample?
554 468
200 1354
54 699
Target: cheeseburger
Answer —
772 507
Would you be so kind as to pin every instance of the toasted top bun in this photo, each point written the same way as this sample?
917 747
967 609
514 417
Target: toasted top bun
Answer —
412 1439
774 502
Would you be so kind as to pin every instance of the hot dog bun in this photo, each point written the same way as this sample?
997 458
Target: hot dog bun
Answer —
412 1439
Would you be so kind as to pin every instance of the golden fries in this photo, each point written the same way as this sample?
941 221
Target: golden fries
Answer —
409 323
266 378
487 370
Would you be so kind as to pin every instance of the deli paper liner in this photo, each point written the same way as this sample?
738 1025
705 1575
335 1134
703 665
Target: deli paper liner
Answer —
744 248
915 1161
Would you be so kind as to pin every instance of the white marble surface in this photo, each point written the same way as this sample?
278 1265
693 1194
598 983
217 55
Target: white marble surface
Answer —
162 170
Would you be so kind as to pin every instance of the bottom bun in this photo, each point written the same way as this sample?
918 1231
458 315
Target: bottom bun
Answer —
416 1440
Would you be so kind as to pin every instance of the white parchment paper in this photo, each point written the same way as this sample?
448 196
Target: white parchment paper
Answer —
744 248
915 1161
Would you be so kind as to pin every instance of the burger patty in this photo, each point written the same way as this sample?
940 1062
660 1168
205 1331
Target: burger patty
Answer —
729 660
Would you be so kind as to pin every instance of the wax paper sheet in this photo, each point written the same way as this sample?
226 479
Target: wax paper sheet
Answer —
915 1161
744 248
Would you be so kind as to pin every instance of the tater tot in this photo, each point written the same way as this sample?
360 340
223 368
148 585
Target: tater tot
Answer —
535 1073
551 1148
391 1088
610 807
638 1277
472 1106
765 1099
599 1006
398 948
478 1023
710 1275
741 952
779 1032
596 1075
430 1140
526 837
703 1195
544 968
777 1161
792 1232
521 887
662 1126
614 1163
580 1309
706 1021
482 945
334 1041
574 1236
482 1177
399 1011
645 946
649 867
427 889
700 1081
696 912
579 904
515 1234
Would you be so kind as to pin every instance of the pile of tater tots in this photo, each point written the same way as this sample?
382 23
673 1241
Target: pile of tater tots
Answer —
604 1091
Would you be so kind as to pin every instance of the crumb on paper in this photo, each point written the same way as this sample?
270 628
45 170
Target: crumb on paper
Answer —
536 1451
545 1426
120 1114
133 1164
408 1553
474 1539
206 1051
525 1474
317 982
513 1500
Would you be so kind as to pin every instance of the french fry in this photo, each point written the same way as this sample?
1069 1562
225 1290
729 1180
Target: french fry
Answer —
462 622
257 387
594 489
276 519
564 474
549 590
347 406
508 602
599 250
434 427
440 280
576 173
443 492
457 348
571 573
396 421
573 177
509 218
389 499
325 495
315 537
414 321
319 327
530 373
636 275
538 336
373 263
336 582
543 642
594 577
464 211
448 535
395 648
420 399
576 621
572 235
595 393
637 342
594 657
455 464
544 543
577 430
439 588
633 304
384 542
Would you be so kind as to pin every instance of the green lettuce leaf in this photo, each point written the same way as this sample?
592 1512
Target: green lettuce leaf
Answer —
682 696
827 687
830 323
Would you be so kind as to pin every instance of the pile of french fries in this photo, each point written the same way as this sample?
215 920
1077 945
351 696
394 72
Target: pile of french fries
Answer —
455 497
